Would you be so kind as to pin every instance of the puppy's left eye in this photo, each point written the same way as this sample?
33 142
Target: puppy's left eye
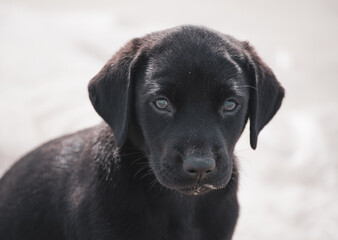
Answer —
229 105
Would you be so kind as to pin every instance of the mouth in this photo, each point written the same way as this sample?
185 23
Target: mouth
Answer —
196 190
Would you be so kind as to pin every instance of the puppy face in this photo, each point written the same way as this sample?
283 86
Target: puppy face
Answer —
190 91
191 105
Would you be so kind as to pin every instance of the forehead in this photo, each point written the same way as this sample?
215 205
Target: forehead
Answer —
204 65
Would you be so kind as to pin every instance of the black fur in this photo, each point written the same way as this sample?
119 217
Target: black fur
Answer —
128 179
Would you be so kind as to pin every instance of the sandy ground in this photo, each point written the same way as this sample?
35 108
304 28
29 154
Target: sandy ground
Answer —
289 186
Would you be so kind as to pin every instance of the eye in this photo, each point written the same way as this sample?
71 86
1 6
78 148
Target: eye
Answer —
229 105
162 104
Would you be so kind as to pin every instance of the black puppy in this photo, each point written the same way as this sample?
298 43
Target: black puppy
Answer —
175 103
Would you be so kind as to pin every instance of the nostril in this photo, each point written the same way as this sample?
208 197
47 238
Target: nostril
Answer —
196 166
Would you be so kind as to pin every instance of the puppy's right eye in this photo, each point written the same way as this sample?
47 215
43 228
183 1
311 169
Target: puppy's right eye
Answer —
162 104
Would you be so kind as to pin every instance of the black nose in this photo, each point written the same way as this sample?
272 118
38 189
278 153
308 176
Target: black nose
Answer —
199 167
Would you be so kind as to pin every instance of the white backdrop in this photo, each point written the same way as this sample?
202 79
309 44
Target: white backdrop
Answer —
49 50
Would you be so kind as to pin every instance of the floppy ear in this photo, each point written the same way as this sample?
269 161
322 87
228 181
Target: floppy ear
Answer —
266 94
110 91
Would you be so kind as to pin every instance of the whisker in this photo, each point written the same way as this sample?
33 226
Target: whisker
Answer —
152 184
117 155
140 170
148 173
137 160
145 175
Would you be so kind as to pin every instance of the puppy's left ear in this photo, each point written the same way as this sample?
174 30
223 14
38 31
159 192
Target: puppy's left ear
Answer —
111 90
266 94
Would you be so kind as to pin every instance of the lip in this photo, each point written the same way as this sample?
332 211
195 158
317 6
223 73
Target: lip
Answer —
196 190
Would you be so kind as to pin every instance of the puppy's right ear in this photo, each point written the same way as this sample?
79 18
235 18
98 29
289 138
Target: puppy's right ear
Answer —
110 91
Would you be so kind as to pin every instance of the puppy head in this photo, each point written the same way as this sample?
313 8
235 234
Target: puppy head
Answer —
184 96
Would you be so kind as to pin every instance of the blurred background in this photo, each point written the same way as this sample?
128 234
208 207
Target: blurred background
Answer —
49 50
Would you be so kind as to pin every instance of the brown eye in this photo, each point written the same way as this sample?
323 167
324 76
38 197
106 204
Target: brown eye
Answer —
229 105
162 104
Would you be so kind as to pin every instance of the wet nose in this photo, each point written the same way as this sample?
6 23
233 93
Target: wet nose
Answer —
199 167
